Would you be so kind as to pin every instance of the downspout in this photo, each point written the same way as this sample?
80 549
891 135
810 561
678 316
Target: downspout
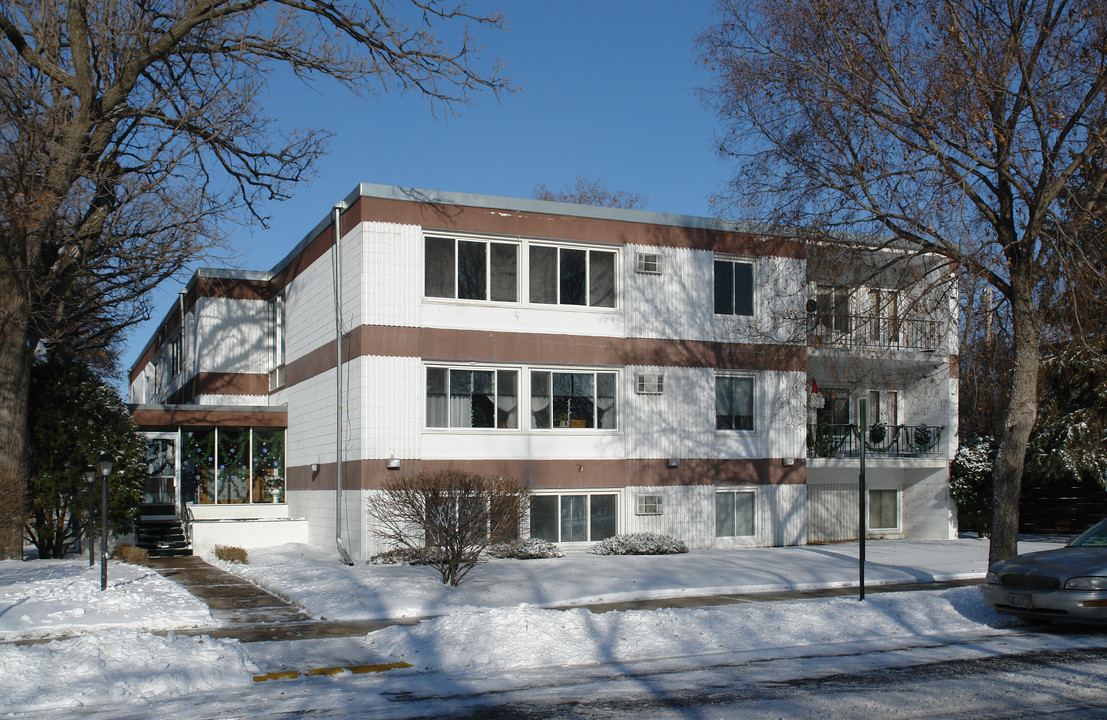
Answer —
343 553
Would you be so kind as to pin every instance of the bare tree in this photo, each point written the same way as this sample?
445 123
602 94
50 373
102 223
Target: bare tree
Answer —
592 192
449 517
956 127
133 130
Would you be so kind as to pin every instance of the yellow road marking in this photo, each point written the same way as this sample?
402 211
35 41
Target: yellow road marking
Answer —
355 669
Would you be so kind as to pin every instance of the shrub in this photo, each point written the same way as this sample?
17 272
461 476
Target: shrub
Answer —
529 549
131 555
449 517
970 483
399 556
230 553
639 544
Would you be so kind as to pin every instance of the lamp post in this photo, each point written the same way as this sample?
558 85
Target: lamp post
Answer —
105 465
90 477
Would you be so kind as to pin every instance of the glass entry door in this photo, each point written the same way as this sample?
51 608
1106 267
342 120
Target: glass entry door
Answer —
159 494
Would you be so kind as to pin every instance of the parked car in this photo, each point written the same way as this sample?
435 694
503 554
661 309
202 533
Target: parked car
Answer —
1066 584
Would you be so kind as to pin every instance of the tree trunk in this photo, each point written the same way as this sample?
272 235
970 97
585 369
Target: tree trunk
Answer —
1022 411
15 370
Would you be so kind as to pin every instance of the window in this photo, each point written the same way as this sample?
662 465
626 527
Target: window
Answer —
883 407
648 263
733 287
884 509
733 402
571 276
232 465
471 398
277 342
883 316
173 351
572 400
471 269
835 409
647 505
734 513
572 518
832 308
651 383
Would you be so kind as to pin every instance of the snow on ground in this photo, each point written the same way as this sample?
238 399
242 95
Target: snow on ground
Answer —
308 576
491 622
521 637
43 598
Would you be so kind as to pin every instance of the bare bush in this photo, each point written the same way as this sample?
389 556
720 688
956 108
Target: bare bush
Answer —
231 554
449 517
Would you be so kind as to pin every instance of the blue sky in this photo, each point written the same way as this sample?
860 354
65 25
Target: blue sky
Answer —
607 91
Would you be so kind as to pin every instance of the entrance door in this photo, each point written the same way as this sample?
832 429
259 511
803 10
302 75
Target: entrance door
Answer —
159 493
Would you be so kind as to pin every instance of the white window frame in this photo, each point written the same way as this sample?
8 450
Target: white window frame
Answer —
574 493
898 527
735 260
456 238
619 407
754 401
495 370
525 271
737 490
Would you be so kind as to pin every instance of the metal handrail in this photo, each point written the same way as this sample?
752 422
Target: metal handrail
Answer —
874 332
837 441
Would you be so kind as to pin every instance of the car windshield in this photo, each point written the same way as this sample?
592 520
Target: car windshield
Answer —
1095 536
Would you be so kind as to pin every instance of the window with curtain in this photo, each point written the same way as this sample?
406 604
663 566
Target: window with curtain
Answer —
472 398
573 400
883 509
733 402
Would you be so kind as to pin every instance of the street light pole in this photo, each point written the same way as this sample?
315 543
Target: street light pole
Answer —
90 478
106 464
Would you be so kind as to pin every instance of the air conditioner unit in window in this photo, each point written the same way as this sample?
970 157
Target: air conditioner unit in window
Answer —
651 383
649 263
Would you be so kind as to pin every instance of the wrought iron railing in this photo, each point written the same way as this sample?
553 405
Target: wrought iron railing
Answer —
844 441
874 332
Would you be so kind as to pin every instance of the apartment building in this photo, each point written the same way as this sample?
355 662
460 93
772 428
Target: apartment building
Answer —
641 371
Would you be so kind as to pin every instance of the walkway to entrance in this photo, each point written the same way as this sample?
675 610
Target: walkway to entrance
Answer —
233 601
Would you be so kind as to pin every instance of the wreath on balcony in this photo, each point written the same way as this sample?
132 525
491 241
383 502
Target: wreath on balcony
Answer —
924 438
877 432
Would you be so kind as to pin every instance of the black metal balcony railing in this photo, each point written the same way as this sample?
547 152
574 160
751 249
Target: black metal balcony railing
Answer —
874 332
844 441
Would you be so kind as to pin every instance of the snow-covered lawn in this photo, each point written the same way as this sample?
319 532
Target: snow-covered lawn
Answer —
492 622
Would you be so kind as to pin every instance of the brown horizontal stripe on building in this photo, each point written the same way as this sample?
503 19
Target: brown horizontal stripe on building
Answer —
207 383
171 418
566 474
446 345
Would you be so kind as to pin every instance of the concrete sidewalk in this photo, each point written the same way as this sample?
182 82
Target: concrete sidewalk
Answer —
251 614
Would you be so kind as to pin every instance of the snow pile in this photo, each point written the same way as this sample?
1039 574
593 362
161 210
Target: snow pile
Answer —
314 578
512 638
45 598
115 666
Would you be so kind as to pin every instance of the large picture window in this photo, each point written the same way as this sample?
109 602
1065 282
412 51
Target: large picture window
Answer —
733 402
572 518
733 287
471 269
572 276
232 465
471 398
734 513
572 400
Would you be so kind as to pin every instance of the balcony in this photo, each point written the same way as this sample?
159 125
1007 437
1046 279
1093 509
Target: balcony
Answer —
874 332
844 441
